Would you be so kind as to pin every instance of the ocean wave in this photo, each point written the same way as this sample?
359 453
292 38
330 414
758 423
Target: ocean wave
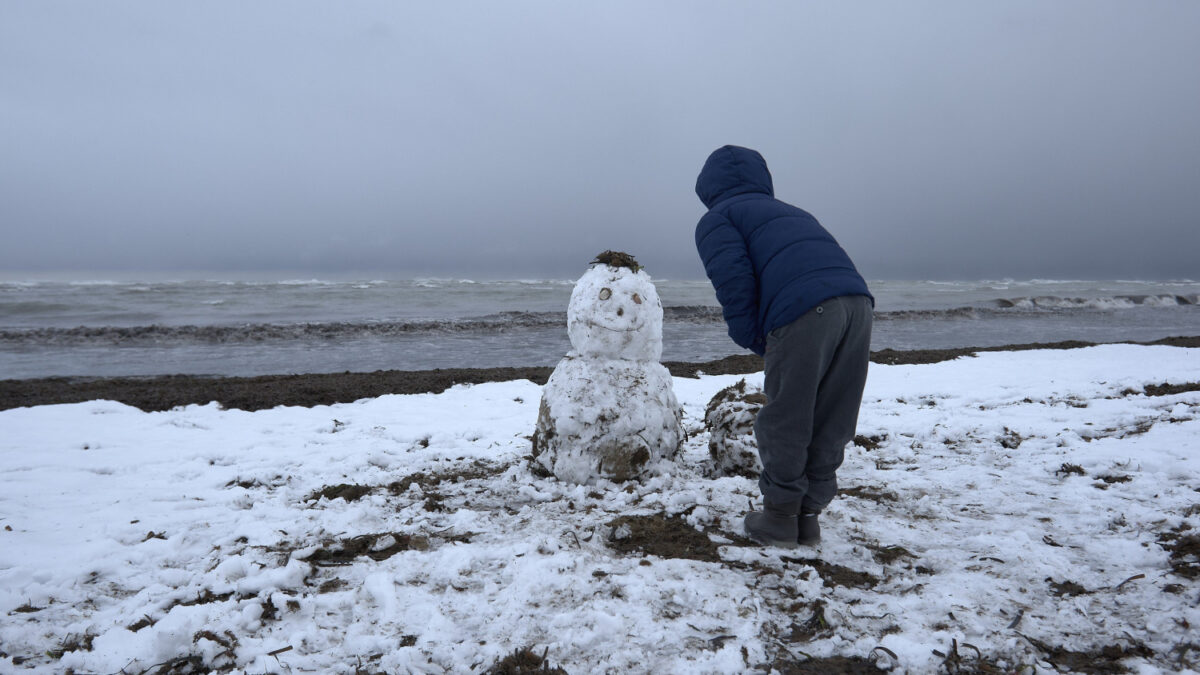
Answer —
34 308
513 321
1167 282
692 313
1025 306
1109 302
926 314
158 334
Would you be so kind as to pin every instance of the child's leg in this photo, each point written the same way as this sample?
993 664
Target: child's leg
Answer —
838 399
798 356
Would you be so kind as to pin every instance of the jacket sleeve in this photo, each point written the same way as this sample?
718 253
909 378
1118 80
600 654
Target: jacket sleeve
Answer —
727 263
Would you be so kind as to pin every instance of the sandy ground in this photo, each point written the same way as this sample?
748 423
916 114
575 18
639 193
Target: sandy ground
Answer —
269 391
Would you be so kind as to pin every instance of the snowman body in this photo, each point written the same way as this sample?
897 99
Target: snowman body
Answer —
608 409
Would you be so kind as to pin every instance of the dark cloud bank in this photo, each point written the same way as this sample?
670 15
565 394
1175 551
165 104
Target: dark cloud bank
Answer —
936 139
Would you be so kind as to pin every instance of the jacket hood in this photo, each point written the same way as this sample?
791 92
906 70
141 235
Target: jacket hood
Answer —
732 170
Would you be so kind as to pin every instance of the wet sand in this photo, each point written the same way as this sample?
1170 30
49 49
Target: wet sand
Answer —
269 391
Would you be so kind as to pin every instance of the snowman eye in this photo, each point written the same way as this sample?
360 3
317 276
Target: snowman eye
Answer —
637 299
605 294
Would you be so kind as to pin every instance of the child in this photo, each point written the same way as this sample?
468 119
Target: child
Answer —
789 293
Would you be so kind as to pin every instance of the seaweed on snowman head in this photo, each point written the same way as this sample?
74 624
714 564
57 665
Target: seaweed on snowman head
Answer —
617 259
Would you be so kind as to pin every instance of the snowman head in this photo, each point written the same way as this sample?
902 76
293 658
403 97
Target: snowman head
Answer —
615 313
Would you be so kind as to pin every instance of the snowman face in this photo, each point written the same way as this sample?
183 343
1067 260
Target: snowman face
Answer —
612 311
615 313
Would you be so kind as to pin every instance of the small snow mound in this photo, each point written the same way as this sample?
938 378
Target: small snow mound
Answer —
729 419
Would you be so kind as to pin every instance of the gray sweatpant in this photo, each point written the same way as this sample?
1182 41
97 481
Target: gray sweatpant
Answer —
816 367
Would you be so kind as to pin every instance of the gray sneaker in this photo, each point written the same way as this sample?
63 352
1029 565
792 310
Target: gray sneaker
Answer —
775 525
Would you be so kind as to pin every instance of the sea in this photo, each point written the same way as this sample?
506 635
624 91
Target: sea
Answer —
224 327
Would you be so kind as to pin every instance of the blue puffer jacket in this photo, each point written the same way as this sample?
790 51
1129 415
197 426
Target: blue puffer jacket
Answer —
769 261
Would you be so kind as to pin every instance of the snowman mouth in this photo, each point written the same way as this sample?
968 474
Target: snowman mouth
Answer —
615 330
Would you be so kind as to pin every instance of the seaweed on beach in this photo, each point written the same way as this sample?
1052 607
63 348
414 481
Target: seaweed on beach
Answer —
477 470
877 495
816 625
228 643
886 555
663 536
1011 440
1166 389
182 665
1070 469
73 643
343 491
377 547
827 665
955 662
1066 589
1102 660
144 622
525 661
1184 553
835 575
205 597
331 586
869 442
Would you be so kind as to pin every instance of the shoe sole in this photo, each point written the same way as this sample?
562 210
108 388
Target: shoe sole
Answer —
763 541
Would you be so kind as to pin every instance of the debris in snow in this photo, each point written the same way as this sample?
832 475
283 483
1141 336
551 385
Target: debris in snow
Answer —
525 661
663 536
342 491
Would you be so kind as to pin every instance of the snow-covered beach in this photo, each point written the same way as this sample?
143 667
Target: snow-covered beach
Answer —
1010 510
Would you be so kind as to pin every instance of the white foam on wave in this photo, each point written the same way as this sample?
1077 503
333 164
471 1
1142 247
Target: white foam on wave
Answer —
303 282
541 282
440 282
1161 301
1054 282
1053 302
1106 303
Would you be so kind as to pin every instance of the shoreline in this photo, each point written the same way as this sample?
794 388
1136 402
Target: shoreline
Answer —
156 393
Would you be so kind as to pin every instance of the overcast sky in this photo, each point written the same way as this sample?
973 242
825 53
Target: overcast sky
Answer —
518 139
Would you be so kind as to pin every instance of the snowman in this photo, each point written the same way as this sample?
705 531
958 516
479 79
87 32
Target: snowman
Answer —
608 410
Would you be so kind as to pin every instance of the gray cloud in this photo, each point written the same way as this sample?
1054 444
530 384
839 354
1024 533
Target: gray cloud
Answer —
935 139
